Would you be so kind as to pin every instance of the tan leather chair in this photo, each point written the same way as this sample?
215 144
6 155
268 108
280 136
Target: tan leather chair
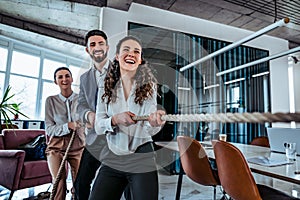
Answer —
236 177
195 162
262 141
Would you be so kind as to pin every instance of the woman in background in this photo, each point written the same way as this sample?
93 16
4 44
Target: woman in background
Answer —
61 120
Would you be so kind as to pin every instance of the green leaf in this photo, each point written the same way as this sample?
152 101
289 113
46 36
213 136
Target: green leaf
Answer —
12 108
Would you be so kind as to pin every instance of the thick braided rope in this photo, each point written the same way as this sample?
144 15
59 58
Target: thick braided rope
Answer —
255 117
61 167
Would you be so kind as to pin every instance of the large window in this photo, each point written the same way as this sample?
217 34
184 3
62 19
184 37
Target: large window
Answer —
49 67
25 64
233 94
30 74
25 90
3 63
3 60
2 76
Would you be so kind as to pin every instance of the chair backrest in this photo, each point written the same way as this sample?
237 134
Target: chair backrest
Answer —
1 142
12 138
5 126
195 162
234 173
262 141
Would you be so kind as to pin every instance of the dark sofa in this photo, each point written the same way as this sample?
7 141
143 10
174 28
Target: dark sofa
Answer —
15 173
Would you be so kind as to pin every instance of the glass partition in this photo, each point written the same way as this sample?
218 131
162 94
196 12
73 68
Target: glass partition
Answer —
198 89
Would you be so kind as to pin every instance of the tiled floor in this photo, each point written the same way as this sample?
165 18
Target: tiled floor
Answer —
168 184
189 190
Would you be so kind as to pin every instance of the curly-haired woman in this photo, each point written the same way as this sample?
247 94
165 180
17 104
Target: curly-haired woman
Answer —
129 90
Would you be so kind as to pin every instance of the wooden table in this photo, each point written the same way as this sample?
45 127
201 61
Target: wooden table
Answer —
282 172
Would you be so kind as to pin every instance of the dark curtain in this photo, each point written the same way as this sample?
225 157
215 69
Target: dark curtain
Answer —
211 94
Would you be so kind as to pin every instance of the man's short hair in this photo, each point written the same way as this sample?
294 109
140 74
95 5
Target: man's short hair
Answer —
92 33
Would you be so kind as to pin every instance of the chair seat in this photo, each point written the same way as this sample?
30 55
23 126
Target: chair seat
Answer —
262 141
268 193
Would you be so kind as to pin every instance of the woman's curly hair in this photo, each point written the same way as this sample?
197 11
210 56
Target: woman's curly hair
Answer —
144 77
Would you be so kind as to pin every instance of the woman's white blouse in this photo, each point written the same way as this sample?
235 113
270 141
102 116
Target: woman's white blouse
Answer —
125 140
56 114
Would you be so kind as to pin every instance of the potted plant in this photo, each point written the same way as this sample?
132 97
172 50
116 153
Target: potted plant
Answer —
7 108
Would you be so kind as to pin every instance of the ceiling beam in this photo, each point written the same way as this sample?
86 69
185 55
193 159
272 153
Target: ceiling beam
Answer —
99 3
61 33
119 4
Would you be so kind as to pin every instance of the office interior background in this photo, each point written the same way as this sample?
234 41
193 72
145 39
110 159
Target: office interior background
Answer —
39 36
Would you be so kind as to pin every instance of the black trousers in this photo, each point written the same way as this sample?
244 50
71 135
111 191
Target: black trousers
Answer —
143 185
86 173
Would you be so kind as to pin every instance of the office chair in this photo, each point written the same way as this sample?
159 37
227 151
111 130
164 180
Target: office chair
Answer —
17 173
236 177
195 162
262 141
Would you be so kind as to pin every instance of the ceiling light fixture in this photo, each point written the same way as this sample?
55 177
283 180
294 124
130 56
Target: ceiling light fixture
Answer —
295 59
260 61
260 74
184 88
238 43
211 86
233 81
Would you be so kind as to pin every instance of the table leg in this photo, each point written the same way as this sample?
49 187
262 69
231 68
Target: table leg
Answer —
179 183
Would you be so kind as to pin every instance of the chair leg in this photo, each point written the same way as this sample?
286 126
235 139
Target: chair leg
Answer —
225 196
215 192
179 183
11 194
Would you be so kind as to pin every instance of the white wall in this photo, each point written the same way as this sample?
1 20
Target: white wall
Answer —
115 24
296 71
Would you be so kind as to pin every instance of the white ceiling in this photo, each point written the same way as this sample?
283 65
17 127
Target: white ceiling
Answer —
247 14
34 16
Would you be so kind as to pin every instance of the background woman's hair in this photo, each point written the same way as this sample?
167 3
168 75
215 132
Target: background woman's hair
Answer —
61 68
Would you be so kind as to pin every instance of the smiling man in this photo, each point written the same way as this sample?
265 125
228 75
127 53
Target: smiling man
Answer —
97 47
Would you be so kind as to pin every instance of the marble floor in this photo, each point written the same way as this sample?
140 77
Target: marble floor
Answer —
168 183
